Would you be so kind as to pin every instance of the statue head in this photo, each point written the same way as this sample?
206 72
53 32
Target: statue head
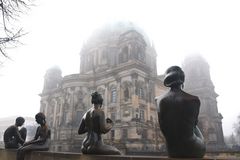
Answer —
19 121
97 98
174 76
40 118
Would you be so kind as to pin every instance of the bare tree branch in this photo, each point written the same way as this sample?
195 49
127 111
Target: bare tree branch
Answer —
11 10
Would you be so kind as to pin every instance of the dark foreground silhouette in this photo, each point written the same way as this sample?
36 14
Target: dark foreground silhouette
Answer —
178 118
94 124
41 140
14 138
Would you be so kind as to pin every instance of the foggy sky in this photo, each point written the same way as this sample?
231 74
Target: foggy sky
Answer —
177 28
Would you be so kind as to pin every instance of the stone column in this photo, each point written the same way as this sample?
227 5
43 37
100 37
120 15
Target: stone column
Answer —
118 90
54 112
61 109
147 100
106 99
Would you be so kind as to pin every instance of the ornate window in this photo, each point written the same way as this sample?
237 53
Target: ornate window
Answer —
144 134
142 115
140 93
126 94
112 134
58 106
136 116
123 57
113 116
124 133
141 55
114 95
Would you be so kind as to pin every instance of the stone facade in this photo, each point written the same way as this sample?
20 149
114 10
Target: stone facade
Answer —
120 63
198 82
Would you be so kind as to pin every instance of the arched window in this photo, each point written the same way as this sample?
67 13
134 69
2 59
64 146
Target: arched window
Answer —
113 116
114 95
124 133
142 118
126 94
140 54
123 57
144 135
112 134
136 116
140 93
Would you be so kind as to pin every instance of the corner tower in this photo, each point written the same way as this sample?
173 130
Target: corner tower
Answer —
198 82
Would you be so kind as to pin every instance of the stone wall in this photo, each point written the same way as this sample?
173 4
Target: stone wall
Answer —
45 155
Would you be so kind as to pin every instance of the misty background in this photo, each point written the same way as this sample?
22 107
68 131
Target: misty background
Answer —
57 30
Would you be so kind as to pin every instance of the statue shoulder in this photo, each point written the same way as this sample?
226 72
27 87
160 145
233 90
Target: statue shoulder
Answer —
13 127
164 101
159 98
168 96
87 113
194 99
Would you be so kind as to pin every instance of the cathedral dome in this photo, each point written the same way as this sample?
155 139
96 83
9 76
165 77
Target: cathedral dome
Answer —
112 31
52 78
114 44
195 66
54 71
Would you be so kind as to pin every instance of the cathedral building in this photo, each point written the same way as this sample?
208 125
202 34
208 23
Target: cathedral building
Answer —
119 62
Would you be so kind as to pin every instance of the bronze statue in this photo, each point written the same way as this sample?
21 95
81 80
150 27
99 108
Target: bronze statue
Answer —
94 124
14 138
178 118
41 140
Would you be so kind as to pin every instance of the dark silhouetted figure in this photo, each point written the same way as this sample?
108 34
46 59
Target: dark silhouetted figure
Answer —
14 138
41 140
94 124
178 118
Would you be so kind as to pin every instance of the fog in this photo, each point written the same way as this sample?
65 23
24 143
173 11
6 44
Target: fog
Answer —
176 28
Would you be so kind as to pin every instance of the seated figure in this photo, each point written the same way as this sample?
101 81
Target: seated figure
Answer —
41 141
178 118
14 138
94 124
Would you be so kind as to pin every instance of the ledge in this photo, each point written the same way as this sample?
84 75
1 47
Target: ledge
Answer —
48 155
